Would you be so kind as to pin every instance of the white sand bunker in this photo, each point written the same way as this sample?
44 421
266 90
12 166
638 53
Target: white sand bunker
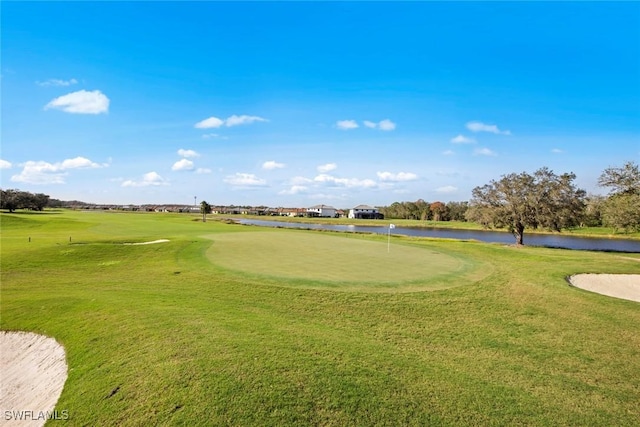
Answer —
149 243
625 286
33 372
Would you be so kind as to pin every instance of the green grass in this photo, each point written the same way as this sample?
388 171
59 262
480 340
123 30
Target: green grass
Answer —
339 261
175 333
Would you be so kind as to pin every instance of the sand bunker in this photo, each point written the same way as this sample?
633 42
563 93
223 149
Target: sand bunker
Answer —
625 286
33 371
149 243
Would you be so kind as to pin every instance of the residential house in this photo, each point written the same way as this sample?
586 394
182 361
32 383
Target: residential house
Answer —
322 211
365 212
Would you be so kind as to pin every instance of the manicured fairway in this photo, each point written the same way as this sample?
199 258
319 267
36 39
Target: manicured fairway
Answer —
341 260
208 329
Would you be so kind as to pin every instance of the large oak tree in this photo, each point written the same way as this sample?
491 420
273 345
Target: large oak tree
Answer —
519 201
621 209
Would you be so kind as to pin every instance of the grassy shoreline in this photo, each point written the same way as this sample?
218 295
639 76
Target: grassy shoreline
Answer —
168 334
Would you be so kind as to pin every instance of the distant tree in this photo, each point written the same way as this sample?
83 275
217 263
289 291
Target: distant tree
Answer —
422 209
621 209
593 210
9 200
624 180
438 211
205 208
456 210
518 201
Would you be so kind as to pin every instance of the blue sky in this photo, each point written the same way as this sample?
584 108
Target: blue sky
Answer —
303 103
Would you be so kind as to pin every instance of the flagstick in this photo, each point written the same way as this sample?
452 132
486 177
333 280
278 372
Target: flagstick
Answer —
388 239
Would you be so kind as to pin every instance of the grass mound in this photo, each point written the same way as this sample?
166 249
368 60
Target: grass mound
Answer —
335 261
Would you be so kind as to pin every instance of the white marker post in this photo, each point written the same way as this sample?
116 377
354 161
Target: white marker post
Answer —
389 237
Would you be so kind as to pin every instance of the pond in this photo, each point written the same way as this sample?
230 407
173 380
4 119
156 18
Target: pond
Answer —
531 239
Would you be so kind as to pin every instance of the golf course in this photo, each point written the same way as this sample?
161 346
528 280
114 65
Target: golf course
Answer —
215 323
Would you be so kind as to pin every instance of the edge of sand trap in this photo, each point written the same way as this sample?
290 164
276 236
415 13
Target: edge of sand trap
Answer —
624 286
34 370
149 243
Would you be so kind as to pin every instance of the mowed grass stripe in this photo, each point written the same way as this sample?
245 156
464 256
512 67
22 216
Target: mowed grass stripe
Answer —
293 254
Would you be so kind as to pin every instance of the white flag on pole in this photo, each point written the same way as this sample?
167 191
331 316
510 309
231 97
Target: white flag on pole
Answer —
392 226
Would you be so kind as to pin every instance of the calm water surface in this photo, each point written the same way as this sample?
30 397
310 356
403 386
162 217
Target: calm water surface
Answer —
531 239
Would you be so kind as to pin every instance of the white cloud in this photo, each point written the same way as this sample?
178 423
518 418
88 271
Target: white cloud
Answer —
209 135
385 125
81 102
79 163
214 122
243 120
271 165
345 182
203 170
187 153
211 122
41 172
483 152
57 82
346 124
182 165
295 189
481 127
557 151
300 180
5 164
461 139
447 189
148 179
245 180
397 177
327 167
448 152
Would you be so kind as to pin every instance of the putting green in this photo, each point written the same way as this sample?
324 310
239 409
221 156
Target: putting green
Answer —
335 260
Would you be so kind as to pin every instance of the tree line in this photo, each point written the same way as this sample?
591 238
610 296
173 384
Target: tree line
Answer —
515 201
16 199
539 200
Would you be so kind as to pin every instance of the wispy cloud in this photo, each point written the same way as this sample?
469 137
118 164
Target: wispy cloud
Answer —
327 167
294 189
5 164
484 152
234 120
482 127
384 125
245 180
271 165
346 124
81 102
448 152
41 172
397 177
243 120
557 151
447 189
148 179
344 182
203 170
187 153
182 165
57 82
461 139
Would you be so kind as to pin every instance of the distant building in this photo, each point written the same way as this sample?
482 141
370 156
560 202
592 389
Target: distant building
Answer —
321 211
365 212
